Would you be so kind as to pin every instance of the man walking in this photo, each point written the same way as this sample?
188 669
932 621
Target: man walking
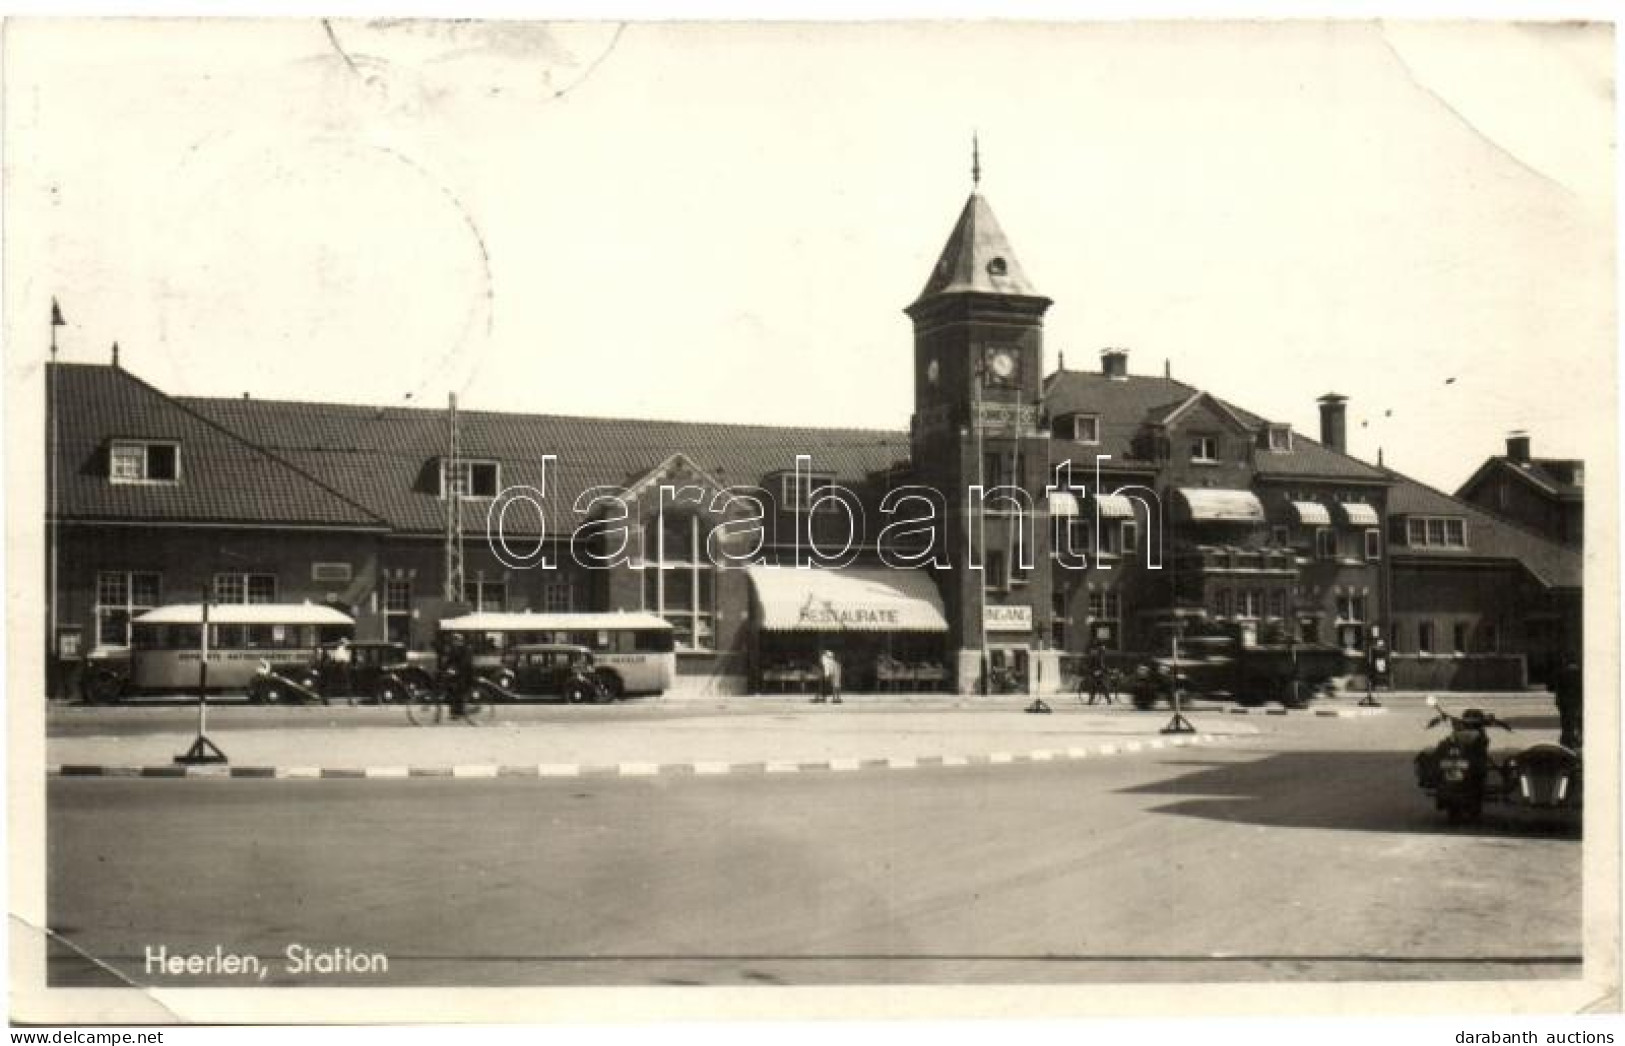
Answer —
1098 688
829 678
1568 686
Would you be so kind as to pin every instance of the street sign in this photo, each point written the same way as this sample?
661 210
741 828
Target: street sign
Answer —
1007 618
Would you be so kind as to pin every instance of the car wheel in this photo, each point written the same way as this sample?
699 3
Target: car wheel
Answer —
389 692
577 692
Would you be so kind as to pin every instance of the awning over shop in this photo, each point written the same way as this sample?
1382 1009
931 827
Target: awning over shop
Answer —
1114 506
1312 513
1062 503
857 599
1222 506
1360 514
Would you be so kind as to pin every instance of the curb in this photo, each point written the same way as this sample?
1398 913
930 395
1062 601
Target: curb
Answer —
1325 713
487 771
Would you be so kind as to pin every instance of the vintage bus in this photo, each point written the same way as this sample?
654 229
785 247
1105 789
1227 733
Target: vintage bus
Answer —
633 652
165 643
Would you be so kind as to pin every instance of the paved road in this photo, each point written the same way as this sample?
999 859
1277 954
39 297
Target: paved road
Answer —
1302 852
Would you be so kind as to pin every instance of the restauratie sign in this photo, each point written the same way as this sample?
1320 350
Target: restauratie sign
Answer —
847 616
998 417
1007 619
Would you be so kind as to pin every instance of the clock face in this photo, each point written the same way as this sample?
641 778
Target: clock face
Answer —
1001 364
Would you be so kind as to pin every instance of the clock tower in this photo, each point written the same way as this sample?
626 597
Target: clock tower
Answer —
978 362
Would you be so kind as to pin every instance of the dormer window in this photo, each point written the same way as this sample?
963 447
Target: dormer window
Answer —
1280 437
801 496
144 461
1079 428
1205 450
471 479
1436 532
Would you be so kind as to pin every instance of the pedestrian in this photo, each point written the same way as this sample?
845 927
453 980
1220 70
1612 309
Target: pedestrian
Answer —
1568 686
1098 688
829 678
458 674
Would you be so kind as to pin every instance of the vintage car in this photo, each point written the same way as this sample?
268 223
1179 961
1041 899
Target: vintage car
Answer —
371 671
552 670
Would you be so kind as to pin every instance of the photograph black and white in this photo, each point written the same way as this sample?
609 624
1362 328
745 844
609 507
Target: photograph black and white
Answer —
1114 517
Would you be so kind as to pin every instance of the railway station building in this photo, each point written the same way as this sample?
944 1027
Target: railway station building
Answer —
1023 517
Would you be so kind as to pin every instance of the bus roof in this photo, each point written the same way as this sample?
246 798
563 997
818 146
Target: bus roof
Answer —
245 614
494 622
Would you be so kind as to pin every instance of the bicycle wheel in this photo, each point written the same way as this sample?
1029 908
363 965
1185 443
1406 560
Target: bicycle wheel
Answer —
475 710
424 710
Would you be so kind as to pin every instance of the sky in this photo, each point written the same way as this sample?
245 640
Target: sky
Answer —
724 222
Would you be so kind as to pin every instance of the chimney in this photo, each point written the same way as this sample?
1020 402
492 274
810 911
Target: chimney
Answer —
1167 368
1060 360
1114 364
1518 447
1331 422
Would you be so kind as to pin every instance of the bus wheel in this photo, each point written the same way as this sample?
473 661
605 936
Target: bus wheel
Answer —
102 687
611 684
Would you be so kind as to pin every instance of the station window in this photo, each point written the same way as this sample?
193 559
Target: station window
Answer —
144 461
1130 542
1424 637
804 492
1458 637
1205 450
682 587
558 597
1373 544
485 595
1079 428
245 588
1325 543
120 596
471 479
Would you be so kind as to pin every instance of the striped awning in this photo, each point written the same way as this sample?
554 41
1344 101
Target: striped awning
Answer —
1360 514
855 599
1114 506
1222 506
1062 503
1312 513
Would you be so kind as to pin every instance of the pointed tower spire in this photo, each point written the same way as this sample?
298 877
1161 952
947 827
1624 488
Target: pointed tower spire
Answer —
975 162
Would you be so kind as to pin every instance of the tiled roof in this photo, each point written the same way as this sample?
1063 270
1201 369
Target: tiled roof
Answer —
1487 536
223 478
1125 405
1122 404
1552 476
977 257
387 458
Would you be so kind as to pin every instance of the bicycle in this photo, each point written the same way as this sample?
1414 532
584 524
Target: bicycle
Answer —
431 707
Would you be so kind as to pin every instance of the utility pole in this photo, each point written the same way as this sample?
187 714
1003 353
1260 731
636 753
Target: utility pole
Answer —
452 481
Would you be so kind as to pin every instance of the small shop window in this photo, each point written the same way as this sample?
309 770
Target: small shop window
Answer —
1325 543
1373 544
1205 450
1424 637
1458 637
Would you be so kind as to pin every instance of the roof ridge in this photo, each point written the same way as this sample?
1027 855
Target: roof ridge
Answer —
186 409
502 414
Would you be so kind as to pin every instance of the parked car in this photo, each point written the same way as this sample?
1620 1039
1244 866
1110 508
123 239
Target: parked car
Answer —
375 671
553 670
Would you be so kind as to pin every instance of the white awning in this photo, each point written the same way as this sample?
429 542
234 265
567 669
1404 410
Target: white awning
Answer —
1360 514
245 614
1114 506
1222 506
857 599
1062 503
1312 513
